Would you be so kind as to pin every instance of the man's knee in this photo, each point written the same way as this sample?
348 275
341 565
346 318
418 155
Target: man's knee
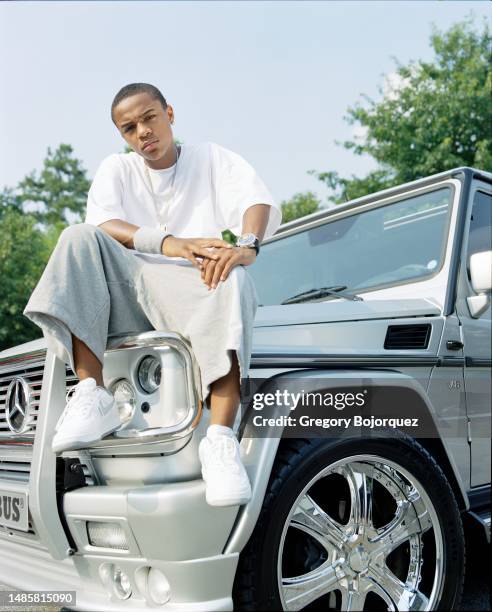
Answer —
246 284
79 232
239 277
237 273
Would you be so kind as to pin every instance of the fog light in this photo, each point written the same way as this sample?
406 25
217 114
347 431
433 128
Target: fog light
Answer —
149 374
158 586
121 583
124 395
106 535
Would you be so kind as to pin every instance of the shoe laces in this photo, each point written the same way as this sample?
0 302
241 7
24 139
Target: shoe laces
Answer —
223 453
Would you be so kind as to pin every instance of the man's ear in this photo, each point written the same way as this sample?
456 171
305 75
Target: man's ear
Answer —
170 114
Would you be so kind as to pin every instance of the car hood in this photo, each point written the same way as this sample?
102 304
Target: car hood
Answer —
333 311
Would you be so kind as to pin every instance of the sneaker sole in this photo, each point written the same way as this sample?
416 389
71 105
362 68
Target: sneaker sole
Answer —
230 501
240 498
74 443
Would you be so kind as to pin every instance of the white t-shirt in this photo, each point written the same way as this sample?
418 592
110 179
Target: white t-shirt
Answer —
212 189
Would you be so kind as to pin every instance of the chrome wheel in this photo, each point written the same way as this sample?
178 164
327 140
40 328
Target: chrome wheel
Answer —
362 534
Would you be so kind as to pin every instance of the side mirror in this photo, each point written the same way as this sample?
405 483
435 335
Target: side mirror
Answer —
481 281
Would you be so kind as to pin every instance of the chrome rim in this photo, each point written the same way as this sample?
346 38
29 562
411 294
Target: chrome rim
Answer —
355 538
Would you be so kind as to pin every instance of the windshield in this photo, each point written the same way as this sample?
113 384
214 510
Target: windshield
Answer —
385 246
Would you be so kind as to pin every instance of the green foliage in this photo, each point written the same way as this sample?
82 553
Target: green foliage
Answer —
346 189
24 253
299 205
28 238
59 188
9 201
228 236
437 117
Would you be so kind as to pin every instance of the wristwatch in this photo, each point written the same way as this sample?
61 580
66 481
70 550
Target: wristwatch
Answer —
250 241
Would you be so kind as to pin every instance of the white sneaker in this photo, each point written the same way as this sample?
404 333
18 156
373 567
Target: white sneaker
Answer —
227 483
90 414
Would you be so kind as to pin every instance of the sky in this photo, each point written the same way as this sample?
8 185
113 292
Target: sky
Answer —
271 81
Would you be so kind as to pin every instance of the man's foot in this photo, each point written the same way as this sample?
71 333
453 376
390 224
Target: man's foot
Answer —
90 414
227 483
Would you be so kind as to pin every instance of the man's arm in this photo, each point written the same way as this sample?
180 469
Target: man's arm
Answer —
255 220
120 231
188 248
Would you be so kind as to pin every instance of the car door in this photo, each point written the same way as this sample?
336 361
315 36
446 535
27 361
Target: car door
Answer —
477 334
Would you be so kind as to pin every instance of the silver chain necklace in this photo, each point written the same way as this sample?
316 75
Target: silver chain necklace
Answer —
163 224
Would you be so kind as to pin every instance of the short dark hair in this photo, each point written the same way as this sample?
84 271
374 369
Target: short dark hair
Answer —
136 88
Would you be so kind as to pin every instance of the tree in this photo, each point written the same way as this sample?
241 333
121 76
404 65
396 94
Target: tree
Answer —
29 236
300 205
9 201
433 116
24 253
60 188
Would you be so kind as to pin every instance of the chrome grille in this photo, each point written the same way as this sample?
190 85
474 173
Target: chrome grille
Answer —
14 468
32 373
16 449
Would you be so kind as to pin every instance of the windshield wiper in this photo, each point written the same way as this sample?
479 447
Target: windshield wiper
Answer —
313 294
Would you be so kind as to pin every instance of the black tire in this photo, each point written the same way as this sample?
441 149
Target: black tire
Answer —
298 461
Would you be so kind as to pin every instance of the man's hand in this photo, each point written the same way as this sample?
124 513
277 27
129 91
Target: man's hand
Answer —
217 269
190 248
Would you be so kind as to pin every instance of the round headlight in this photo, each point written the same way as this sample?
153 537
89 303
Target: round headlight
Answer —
124 395
149 374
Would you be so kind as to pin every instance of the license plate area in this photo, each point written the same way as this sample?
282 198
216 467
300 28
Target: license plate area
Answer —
14 510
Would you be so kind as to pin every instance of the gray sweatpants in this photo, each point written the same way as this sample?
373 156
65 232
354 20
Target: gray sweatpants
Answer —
94 287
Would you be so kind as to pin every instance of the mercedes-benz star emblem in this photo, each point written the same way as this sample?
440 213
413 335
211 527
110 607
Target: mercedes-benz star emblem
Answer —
17 404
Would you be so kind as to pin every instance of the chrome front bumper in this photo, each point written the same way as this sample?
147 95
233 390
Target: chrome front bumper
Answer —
169 527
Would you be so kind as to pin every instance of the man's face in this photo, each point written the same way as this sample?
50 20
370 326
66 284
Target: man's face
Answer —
146 127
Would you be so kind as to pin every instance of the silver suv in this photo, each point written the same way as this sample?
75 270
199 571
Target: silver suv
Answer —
389 295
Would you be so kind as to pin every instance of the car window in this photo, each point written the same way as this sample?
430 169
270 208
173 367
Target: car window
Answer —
384 246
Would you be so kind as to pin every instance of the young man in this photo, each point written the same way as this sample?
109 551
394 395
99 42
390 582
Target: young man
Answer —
159 262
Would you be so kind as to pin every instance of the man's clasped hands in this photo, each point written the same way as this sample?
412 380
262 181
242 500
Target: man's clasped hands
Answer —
214 257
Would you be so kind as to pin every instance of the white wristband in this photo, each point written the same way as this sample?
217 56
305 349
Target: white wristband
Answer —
149 239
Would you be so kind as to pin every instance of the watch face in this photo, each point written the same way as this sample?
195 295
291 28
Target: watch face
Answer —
246 240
